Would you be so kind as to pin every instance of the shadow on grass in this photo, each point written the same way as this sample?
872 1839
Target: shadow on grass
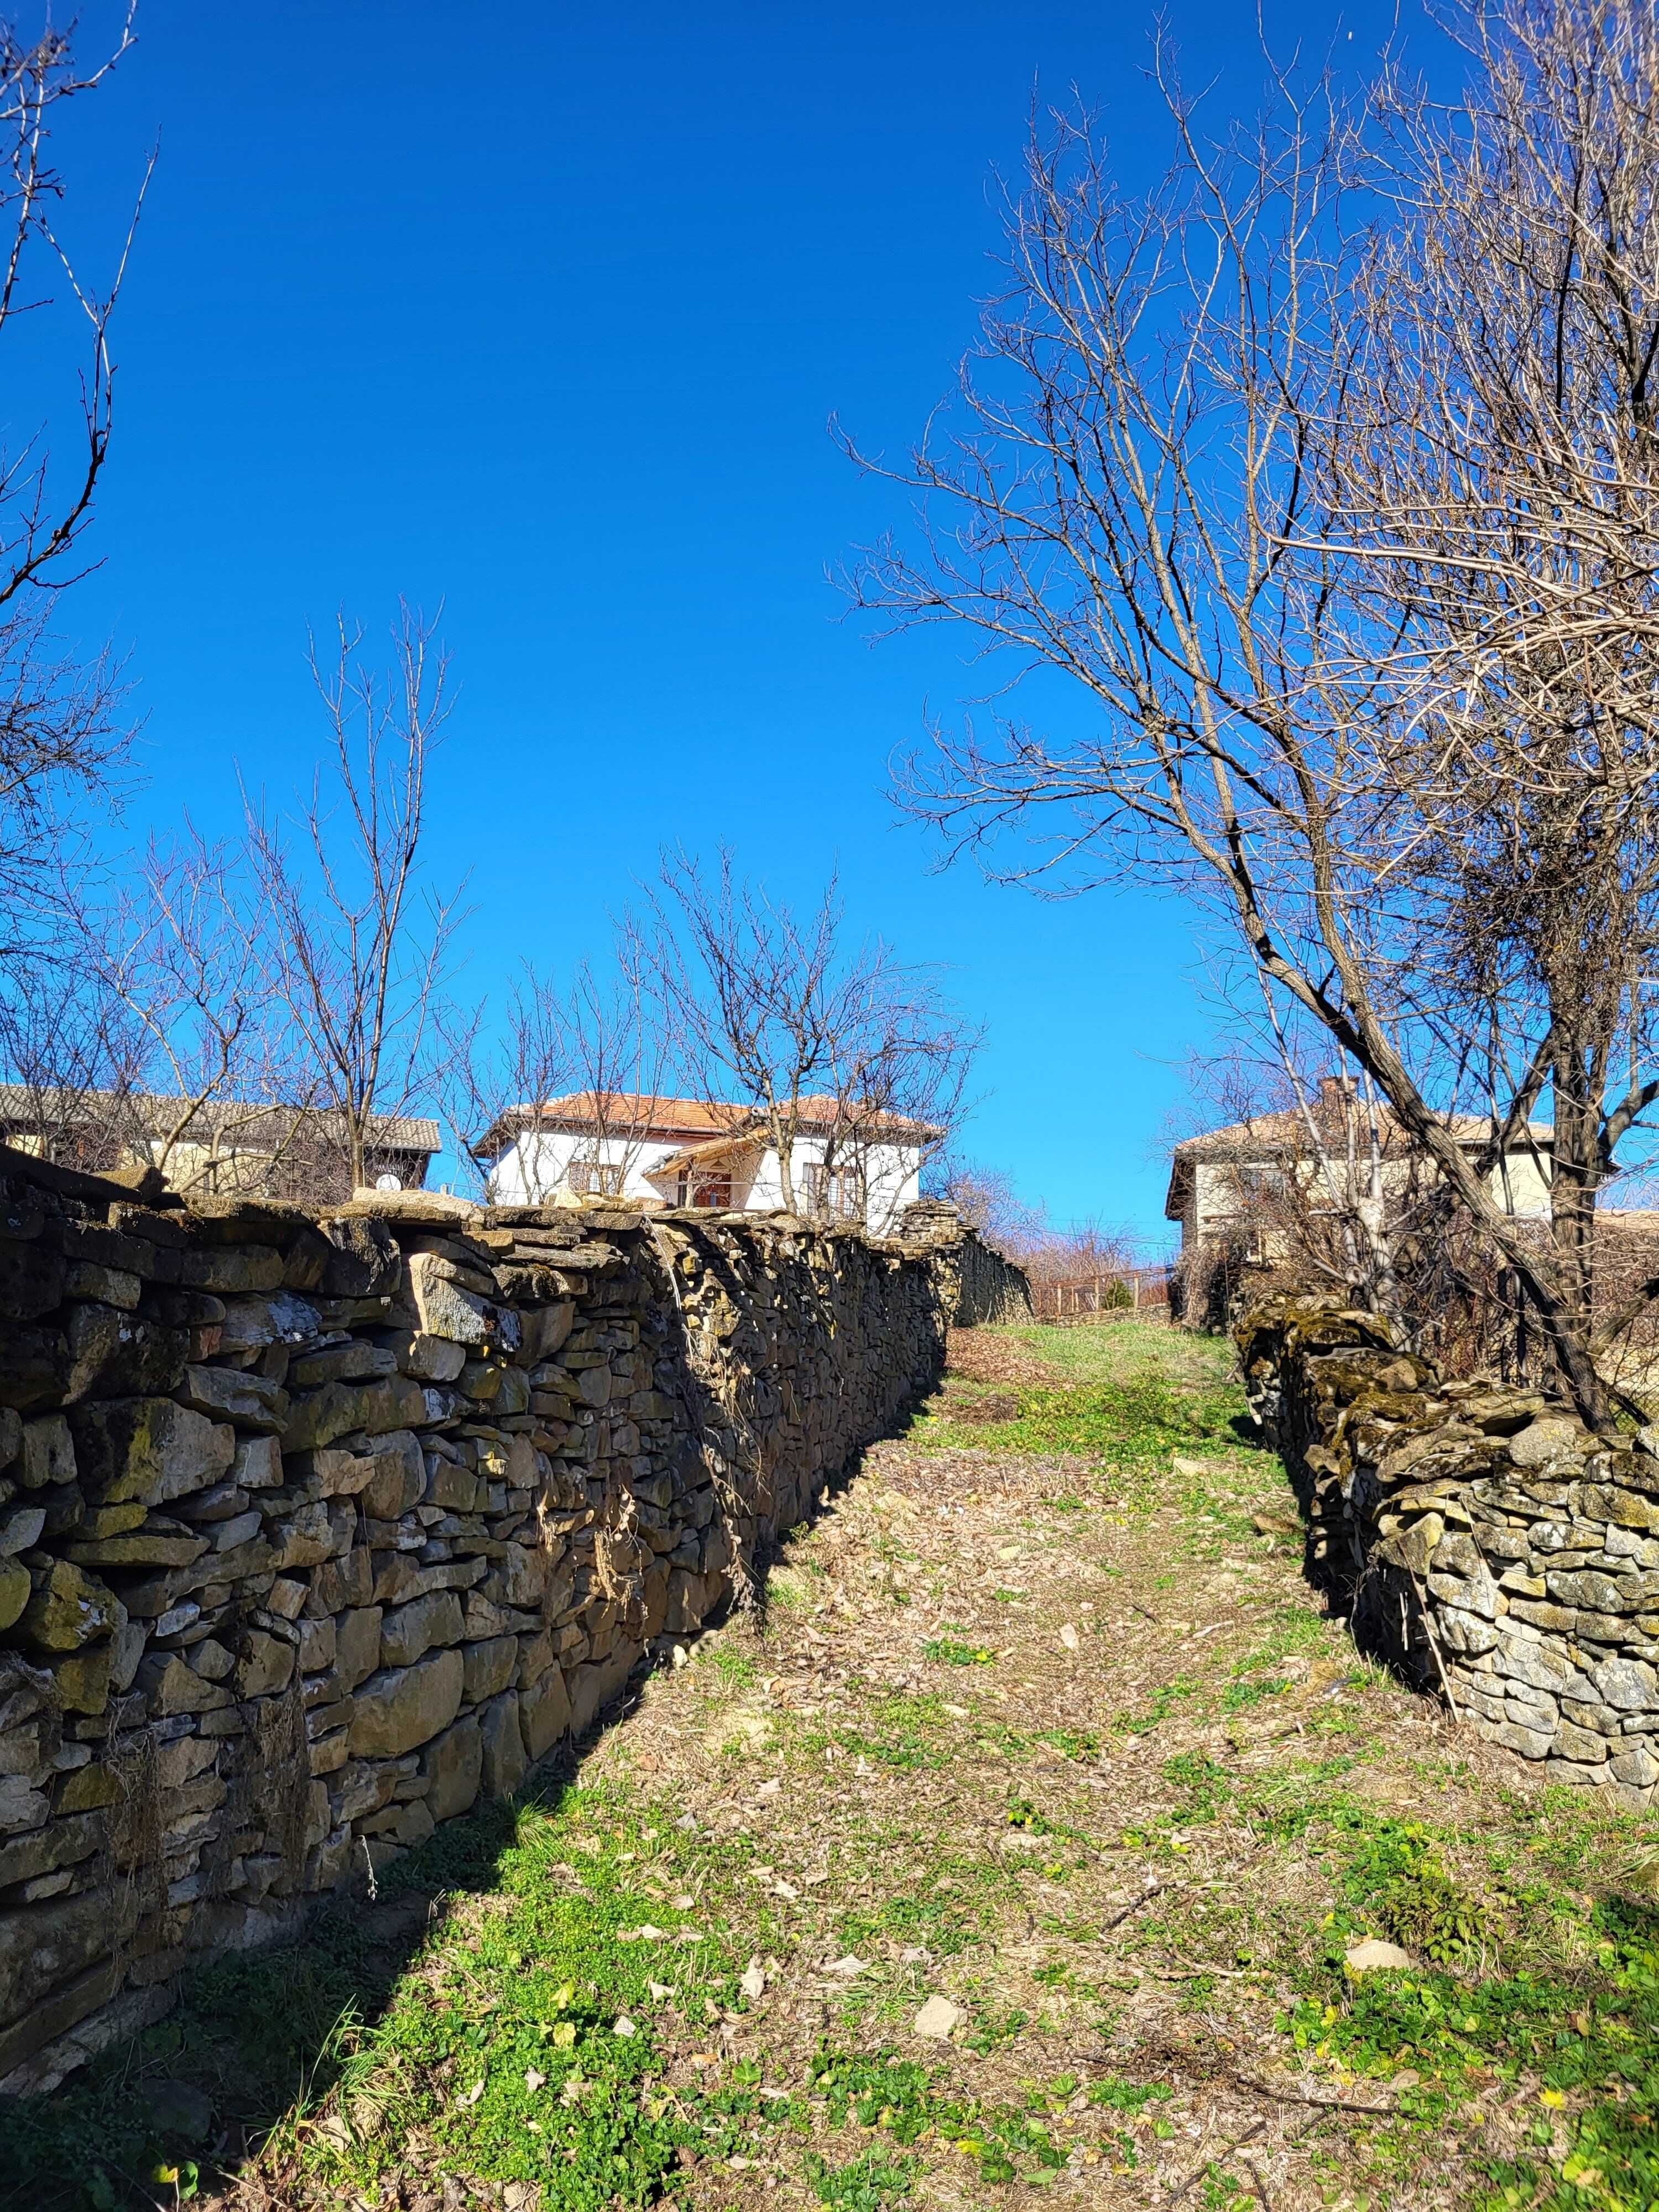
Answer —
253 2041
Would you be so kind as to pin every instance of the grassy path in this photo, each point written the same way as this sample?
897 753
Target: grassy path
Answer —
1011 1850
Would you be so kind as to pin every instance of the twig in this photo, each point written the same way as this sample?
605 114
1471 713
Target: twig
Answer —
1299 2097
1434 1647
1133 1906
1199 2172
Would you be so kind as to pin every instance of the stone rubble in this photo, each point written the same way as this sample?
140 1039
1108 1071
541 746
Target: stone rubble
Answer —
314 1528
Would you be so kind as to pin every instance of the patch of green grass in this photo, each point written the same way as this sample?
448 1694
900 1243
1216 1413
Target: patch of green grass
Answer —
1528 1982
736 1669
905 1729
1126 1403
1240 1695
899 2097
950 1651
1072 1743
1121 2096
523 2044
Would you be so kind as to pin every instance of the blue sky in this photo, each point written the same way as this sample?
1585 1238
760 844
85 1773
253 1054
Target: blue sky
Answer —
541 311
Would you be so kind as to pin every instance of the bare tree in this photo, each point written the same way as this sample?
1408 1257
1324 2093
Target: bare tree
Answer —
987 1200
71 1063
59 726
778 1014
593 1050
357 942
1199 478
176 954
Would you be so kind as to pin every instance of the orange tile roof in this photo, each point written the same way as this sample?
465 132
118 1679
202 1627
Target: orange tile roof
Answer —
668 1119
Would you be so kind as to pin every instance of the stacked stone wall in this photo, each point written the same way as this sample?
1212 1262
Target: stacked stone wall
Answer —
989 1290
315 1529
1483 1540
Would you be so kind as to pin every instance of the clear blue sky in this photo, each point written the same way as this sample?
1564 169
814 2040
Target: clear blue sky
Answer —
540 311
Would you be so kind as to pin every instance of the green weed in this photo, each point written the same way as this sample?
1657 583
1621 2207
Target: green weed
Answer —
950 1651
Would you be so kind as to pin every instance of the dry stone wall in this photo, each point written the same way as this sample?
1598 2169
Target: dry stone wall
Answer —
1483 1540
982 1287
314 1529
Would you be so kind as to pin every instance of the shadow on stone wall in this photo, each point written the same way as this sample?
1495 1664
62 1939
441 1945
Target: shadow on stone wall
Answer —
255 2041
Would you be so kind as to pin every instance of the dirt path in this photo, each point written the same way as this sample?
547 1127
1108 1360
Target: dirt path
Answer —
1012 1848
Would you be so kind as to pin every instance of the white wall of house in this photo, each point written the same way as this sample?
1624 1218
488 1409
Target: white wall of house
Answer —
1520 1184
539 1163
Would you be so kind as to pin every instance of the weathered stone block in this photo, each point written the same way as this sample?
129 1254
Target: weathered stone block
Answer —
391 1402
43 1946
148 1448
454 1488
35 1366
1599 1593
251 1323
81 1679
454 1764
171 1685
357 1645
1529 1742
20 1528
545 1714
429 1358
410 1632
14 1591
1545 1440
233 1394
446 1308
1628 1685
258 1464
489 1666
116 1354
504 1760
593 1686
233 1272
266 1664
67 1608
523 1577
31 1279
545 1329
47 1453
142 1549
396 1712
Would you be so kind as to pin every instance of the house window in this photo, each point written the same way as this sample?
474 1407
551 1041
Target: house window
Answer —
595 1176
836 1194
709 1190
1266 1182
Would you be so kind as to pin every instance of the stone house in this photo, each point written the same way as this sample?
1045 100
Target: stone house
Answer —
1226 1185
845 1166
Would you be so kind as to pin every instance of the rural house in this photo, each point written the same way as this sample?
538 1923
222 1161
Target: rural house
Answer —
686 1151
1223 1183
222 1146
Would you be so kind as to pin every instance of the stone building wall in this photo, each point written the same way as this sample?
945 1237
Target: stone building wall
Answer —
1481 1538
313 1530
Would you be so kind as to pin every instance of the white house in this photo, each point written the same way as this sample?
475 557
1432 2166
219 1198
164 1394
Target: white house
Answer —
683 1151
